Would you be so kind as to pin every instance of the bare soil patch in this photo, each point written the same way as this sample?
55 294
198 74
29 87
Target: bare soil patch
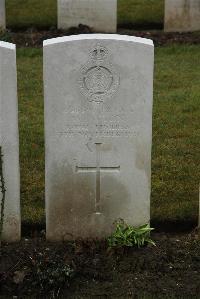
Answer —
172 268
34 38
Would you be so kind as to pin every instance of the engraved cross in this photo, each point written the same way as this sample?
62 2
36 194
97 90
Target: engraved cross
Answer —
98 169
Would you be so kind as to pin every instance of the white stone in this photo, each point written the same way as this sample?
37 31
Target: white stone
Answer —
99 15
9 141
2 14
98 129
182 15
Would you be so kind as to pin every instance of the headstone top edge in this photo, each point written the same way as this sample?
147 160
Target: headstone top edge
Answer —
7 45
116 37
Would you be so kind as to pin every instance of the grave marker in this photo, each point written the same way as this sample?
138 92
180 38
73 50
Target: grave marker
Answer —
182 15
99 15
9 141
2 14
98 128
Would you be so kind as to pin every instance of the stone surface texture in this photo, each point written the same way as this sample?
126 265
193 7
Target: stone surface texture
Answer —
9 141
182 15
98 129
99 15
2 14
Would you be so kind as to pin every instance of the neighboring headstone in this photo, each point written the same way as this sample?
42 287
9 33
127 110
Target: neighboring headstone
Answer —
2 14
99 15
98 129
9 141
182 15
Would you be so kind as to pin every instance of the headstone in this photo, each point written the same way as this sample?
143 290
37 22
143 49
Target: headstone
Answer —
2 14
98 128
9 141
99 15
182 15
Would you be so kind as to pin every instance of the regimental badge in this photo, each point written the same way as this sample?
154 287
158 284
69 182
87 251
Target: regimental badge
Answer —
99 80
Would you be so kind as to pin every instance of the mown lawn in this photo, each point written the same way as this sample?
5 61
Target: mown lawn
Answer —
176 134
43 13
141 14
31 13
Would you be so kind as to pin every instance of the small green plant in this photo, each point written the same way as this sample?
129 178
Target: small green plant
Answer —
127 235
3 194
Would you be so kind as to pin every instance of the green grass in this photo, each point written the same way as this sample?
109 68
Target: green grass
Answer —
31 125
31 13
141 13
43 13
176 134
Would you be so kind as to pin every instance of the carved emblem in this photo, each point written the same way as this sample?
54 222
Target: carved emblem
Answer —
99 79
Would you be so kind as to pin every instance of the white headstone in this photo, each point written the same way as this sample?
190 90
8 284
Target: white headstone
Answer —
98 128
182 15
99 15
9 141
2 14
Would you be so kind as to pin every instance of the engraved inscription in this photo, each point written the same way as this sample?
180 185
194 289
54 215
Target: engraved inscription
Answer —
99 80
97 170
88 133
99 52
99 130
